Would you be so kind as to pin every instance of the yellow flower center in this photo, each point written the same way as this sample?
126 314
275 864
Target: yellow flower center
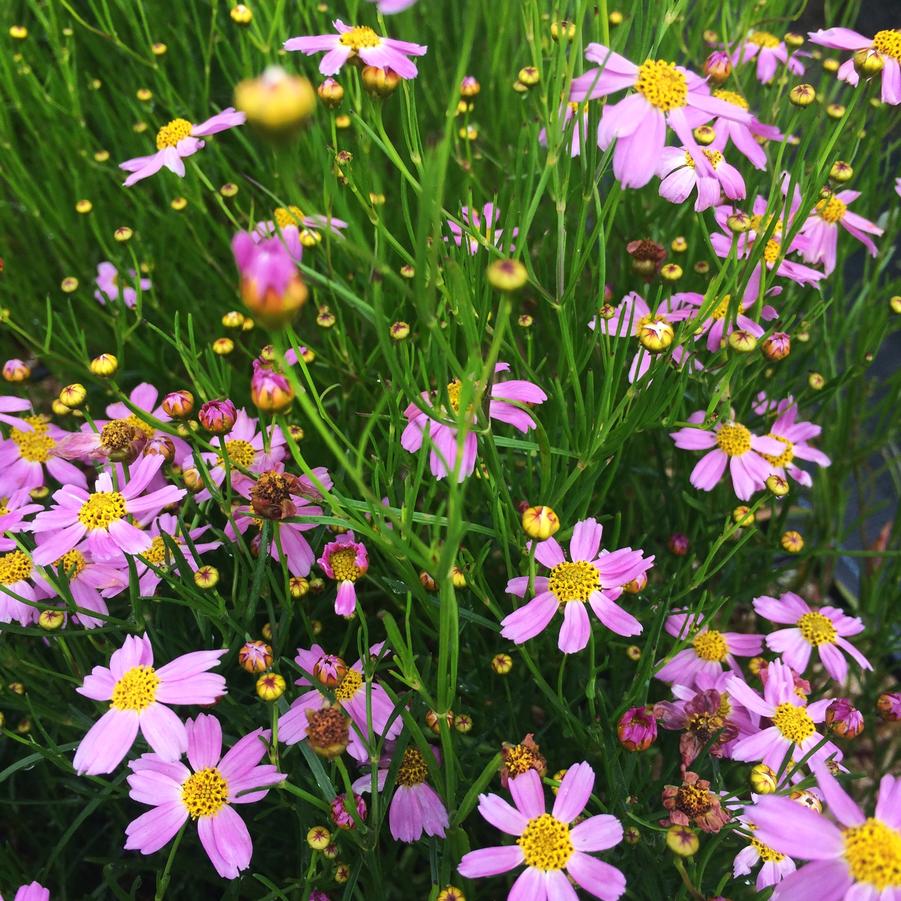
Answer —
722 308
785 457
360 37
117 435
157 553
763 39
453 394
762 223
873 852
34 446
545 843
794 723
204 793
714 157
573 581
239 452
888 42
169 135
831 210
138 423
350 685
767 854
14 567
733 439
343 565
285 216
662 85
817 629
413 769
101 509
72 562
519 759
772 252
136 689
731 97
711 646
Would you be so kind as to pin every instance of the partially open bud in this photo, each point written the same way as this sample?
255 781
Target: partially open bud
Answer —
647 257
16 371
846 721
807 799
178 404
270 391
888 706
271 286
328 731
718 67
470 87
330 671
636 585
379 82
867 63
777 346
340 815
678 544
507 275
637 728
763 779
656 337
105 366
218 416
255 656
330 93
193 480
540 522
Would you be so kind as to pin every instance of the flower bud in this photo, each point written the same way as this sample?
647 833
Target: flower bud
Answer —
73 396
835 111
739 222
463 723
193 480
656 337
399 330
270 687
895 303
816 381
270 391
888 706
743 516
271 286
777 485
123 233
704 135
276 103
647 257
218 416
777 346
671 272
802 95
529 76
636 585
206 577
507 275
678 544
867 63
679 245
330 671
563 31
319 838
241 15
458 577
763 779
105 366
51 620
470 87
433 720
682 841
841 171
379 82
718 67
223 346
330 93
540 522
792 542
846 721
341 817
502 664
255 656
427 582
742 341
178 404
807 799
637 728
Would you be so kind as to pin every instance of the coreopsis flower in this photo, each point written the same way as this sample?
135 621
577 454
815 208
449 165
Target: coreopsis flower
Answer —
885 46
858 858
138 695
351 690
415 807
710 650
203 792
270 390
579 113
389 7
769 51
820 231
774 865
30 449
793 720
517 759
162 559
177 140
679 176
345 560
483 224
637 728
665 95
443 436
718 325
217 416
824 628
744 135
19 590
359 42
271 286
13 510
33 891
110 290
693 803
794 437
296 229
549 846
729 443
591 577
102 516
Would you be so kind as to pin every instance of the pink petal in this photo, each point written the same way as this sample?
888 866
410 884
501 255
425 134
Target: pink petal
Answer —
794 830
204 741
599 878
106 743
490 861
549 553
836 798
586 540
530 885
597 833
575 629
502 815
574 792
824 880
154 829
226 841
164 731
529 620
528 794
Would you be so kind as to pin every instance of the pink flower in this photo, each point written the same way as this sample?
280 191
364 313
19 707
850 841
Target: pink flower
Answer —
792 720
102 515
820 231
743 135
769 52
389 7
10 404
856 860
885 44
160 556
483 224
31 448
719 324
732 443
345 560
443 437
794 437
34 891
590 577
359 41
175 141
679 176
13 510
205 793
823 628
139 694
775 866
108 288
546 843
294 228
19 589
579 112
709 650
665 95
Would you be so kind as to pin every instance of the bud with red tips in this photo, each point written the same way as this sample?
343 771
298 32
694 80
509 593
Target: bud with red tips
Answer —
718 67
270 390
678 544
271 286
178 404
218 416
637 728
846 721
777 346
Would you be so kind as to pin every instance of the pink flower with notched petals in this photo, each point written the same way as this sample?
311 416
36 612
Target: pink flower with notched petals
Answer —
719 324
743 135
176 141
109 289
679 176
30 454
665 95
710 650
729 443
13 510
769 51
794 437
820 231
160 555
775 866
19 588
549 846
345 560
359 41
823 628
205 792
885 44
293 228
484 224
10 404
34 891
589 577
138 695
856 860
443 436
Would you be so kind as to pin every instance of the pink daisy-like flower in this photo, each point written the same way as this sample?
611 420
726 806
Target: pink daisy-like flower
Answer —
679 176
34 891
13 510
769 51
161 557
718 324
793 720
665 95
729 443
823 628
579 112
589 577
205 793
443 436
175 141
102 515
794 437
351 690
484 224
774 865
884 44
743 135
345 561
19 590
138 695
710 650
359 41
549 846
31 449
857 860
820 231
109 289
416 807
296 230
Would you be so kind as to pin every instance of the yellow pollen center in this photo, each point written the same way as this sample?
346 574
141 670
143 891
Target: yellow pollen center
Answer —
785 457
138 423
714 157
72 562
689 160
343 565
763 39
34 446
285 216
888 42
545 843
453 394
772 252
711 646
204 793
157 553
169 135
350 685
101 509
692 800
360 37
762 223
573 581
767 854
14 567
519 759
733 439
873 852
413 769
136 689
831 210
817 629
240 453
721 308
731 97
794 723
662 85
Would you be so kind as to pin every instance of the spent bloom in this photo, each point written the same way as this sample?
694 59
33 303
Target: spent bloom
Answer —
885 45
109 289
203 792
693 803
138 695
820 231
345 560
549 846
769 51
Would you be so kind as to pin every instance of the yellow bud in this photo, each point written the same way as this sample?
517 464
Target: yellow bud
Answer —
178 203
777 485
51 620
73 395
679 245
270 687
540 522
682 841
84 206
241 15
507 275
206 577
792 542
123 233
319 838
802 94
529 76
763 779
743 516
502 664
105 366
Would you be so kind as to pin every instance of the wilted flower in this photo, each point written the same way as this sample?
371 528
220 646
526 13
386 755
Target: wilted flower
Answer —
693 803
